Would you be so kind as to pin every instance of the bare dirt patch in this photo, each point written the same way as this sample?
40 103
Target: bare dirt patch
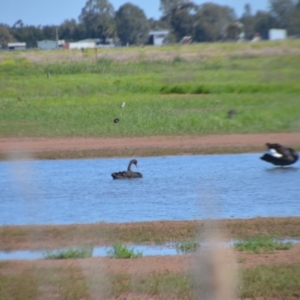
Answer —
78 147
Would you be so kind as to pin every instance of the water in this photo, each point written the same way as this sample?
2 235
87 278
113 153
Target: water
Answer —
146 250
168 249
173 188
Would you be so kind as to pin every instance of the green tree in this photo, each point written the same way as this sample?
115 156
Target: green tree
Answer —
157 24
294 22
212 21
68 30
263 21
233 30
182 19
49 32
26 33
166 6
97 17
5 36
132 24
247 20
281 10
286 14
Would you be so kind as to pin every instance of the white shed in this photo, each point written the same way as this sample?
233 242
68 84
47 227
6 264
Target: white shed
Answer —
47 45
81 45
158 38
50 44
16 46
277 34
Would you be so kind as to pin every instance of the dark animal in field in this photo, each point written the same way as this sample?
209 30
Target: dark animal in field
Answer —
116 120
128 174
279 155
231 114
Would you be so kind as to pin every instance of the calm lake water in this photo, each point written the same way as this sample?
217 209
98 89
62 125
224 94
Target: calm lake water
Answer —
173 188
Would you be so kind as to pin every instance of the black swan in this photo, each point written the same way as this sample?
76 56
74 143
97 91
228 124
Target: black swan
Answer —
279 155
127 174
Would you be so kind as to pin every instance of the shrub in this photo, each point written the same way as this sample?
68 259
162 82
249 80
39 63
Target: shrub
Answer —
120 251
82 252
187 246
262 245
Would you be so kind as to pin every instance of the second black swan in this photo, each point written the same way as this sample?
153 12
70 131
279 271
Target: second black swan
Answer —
279 155
128 174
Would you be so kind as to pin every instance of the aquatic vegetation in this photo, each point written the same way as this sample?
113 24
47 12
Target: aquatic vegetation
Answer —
187 246
262 245
81 252
120 251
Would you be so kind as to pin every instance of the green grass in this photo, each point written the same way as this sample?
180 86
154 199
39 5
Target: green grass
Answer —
163 97
70 253
120 251
18 286
40 282
271 282
187 246
262 245
146 115
43 237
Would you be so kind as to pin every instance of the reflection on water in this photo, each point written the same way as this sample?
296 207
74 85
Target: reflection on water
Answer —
282 169
173 188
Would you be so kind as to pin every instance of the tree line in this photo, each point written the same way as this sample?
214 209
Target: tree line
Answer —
207 22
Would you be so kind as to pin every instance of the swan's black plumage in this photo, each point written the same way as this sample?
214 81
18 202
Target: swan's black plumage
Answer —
128 174
279 155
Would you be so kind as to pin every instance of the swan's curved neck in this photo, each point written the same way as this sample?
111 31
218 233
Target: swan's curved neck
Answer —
129 166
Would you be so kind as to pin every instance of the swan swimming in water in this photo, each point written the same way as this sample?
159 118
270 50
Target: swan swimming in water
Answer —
128 174
279 155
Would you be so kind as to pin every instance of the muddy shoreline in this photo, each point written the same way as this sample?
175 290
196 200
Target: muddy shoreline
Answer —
101 234
54 237
79 147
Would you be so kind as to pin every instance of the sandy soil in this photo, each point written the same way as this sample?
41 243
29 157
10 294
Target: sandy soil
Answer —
135 146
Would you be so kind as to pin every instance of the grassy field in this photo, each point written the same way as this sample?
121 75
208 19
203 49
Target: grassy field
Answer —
168 91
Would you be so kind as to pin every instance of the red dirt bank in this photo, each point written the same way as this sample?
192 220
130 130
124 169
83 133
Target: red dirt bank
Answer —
138 146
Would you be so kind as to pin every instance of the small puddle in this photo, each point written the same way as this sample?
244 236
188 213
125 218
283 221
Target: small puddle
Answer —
146 250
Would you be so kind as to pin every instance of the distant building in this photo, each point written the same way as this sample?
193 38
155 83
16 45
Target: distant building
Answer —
16 46
274 34
83 44
158 38
50 44
90 44
277 34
